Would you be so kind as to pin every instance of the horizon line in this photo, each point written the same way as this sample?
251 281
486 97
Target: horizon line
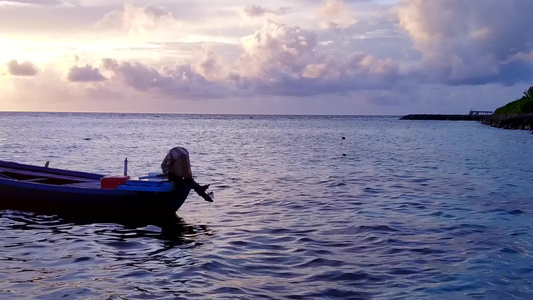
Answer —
187 113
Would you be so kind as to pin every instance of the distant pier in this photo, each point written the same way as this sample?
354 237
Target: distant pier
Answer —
480 113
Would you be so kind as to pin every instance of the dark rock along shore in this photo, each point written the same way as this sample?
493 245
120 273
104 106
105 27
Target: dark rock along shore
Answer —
442 117
523 121
520 121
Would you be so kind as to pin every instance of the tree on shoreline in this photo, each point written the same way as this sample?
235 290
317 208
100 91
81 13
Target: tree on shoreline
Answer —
523 105
529 93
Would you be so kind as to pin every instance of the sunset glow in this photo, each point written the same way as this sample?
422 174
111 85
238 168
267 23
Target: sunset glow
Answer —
290 57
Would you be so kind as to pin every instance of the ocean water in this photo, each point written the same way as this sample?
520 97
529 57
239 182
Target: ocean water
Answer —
397 210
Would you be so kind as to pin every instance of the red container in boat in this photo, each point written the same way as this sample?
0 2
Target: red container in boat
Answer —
112 182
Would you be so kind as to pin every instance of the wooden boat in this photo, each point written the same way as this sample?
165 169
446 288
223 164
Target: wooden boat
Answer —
56 191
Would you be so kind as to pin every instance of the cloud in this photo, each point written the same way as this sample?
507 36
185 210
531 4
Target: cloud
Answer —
276 48
327 76
357 50
47 87
138 20
252 11
522 56
283 60
85 74
469 42
210 66
335 14
180 81
278 60
24 69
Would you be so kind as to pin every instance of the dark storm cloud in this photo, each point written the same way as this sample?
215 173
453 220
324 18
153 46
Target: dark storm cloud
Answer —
470 42
252 11
85 74
24 69
178 81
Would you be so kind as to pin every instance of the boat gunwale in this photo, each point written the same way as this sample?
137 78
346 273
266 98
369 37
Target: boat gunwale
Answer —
65 188
47 170
68 189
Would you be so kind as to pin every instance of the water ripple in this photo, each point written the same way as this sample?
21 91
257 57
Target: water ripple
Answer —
435 210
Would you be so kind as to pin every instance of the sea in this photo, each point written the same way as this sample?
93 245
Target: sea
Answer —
306 207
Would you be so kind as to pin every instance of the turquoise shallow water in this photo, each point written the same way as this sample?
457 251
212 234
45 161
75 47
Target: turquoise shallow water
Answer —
415 210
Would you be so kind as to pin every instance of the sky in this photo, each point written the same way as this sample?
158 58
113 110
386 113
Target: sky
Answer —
333 57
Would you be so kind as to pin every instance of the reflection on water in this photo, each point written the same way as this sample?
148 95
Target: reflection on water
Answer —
51 257
173 230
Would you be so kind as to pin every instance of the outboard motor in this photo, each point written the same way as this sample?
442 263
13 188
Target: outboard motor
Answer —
177 166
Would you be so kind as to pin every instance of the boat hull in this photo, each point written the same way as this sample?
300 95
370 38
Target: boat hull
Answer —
88 202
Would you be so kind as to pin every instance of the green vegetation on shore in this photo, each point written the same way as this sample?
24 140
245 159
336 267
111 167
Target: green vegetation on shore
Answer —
523 105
